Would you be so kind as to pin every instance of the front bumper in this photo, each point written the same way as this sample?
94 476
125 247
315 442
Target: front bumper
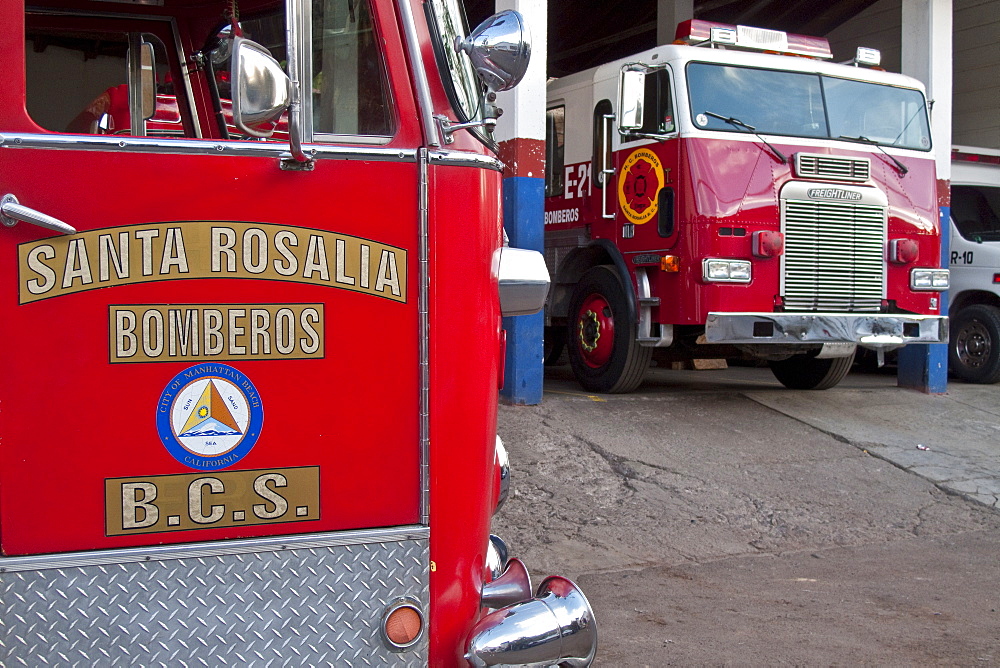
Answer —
870 330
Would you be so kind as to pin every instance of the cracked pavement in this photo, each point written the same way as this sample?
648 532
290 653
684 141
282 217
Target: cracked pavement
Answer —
700 510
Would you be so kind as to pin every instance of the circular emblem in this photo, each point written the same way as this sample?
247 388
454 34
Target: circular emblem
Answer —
639 185
209 416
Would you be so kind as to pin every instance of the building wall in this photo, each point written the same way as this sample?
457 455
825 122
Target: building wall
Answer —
877 27
976 111
976 120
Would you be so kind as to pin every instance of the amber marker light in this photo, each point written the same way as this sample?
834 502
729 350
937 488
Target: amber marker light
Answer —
670 263
402 625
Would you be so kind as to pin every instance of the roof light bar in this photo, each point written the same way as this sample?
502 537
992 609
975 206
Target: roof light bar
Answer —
698 32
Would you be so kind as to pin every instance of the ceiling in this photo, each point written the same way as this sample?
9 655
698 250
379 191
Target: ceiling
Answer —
586 33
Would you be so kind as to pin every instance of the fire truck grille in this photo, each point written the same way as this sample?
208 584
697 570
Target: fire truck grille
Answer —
811 165
833 257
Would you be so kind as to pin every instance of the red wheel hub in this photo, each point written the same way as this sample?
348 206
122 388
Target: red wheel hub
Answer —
595 328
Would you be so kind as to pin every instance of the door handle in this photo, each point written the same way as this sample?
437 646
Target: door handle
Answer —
11 212
607 169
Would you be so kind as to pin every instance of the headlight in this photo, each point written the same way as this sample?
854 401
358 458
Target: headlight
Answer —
930 279
725 271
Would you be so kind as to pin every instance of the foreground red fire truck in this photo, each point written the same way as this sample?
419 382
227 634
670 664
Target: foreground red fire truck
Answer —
232 426
735 195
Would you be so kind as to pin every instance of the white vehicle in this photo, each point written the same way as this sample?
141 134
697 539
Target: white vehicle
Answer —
974 348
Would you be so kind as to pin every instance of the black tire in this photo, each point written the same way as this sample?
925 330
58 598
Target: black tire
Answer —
555 343
974 344
601 337
802 372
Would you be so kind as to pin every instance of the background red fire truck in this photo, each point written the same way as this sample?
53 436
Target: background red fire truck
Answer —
718 198
231 430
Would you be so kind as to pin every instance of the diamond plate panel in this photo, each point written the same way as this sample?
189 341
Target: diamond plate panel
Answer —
308 606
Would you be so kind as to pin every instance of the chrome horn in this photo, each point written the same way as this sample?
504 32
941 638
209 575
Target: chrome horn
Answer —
555 627
512 587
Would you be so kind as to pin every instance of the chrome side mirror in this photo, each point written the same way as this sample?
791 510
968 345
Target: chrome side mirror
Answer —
524 281
499 49
261 89
633 94
141 83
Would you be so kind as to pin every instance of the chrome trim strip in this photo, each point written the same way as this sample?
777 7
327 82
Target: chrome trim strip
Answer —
303 42
423 325
214 548
419 74
460 159
199 147
241 148
294 46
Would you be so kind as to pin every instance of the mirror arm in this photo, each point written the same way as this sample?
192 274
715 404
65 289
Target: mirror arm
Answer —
136 88
642 135
295 132
449 127
293 39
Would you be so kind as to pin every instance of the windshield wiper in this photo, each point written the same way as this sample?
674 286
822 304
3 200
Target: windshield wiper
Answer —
740 124
903 169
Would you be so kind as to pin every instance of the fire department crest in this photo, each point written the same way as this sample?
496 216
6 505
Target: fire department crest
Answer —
639 185
209 416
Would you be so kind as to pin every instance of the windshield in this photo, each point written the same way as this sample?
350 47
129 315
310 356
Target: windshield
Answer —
464 89
799 104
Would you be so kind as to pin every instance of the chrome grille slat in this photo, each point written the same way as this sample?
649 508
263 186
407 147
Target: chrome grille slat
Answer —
840 168
834 257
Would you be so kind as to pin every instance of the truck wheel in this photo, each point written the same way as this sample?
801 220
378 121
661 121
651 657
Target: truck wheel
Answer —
974 348
602 348
808 373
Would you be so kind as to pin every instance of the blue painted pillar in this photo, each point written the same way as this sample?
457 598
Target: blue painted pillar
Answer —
523 201
926 32
925 367
520 134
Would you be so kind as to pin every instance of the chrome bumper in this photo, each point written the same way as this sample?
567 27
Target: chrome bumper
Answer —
870 330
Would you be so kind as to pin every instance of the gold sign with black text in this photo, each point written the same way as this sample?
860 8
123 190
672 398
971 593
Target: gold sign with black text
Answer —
158 504
68 264
195 332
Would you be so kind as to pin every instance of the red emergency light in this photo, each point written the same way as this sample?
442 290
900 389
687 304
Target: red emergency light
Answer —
696 32
903 251
959 155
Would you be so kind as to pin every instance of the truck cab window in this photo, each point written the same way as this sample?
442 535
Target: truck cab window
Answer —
657 107
350 92
603 117
77 80
555 150
975 210
267 30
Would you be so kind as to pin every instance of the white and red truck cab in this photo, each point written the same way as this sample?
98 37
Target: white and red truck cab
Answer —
974 254
253 338
735 194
